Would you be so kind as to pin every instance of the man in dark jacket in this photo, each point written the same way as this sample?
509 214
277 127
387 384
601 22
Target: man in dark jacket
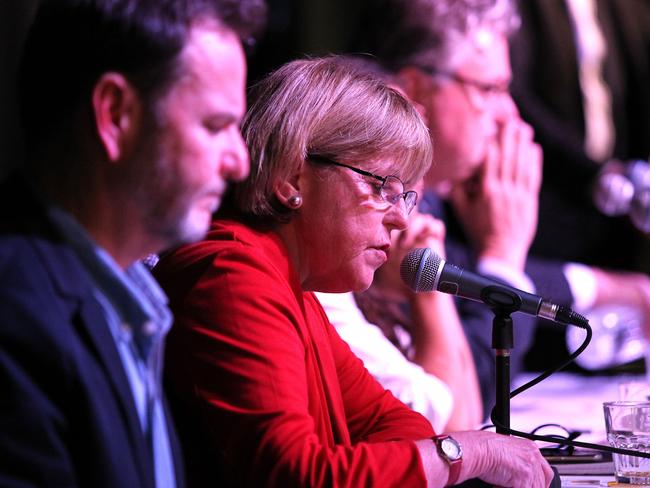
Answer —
131 113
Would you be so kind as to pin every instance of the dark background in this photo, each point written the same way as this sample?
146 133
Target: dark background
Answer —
295 28
15 16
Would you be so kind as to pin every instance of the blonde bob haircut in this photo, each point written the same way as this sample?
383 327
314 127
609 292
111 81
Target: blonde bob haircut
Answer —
327 107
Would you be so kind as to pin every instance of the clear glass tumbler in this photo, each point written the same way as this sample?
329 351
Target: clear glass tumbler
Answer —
628 427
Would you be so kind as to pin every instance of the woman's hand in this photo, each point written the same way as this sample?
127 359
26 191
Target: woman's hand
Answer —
496 459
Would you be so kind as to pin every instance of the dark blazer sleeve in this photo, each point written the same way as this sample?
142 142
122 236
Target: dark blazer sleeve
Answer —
477 318
33 381
549 279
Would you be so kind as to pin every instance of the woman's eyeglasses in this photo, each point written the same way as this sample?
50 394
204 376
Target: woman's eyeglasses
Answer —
391 189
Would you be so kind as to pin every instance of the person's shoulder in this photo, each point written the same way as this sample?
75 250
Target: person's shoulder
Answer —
30 244
231 256
37 314
19 258
227 240
40 276
24 225
250 250
223 235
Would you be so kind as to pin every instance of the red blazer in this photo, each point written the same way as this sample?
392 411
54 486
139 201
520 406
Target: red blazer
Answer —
277 396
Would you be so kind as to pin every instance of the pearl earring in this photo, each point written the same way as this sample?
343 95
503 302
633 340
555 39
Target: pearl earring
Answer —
295 201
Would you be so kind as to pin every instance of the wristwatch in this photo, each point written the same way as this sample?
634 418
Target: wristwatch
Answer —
449 449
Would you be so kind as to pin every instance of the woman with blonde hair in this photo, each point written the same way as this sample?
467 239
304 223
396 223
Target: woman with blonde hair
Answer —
265 391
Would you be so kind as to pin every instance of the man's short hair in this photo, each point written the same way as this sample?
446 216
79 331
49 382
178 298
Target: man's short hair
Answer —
429 33
73 42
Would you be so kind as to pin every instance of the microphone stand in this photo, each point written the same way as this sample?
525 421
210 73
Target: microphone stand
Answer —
503 302
502 342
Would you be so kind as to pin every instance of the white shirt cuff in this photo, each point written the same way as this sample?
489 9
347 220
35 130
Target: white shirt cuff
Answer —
505 272
582 283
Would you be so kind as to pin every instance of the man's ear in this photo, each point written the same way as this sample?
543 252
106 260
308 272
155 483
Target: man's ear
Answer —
117 111
412 81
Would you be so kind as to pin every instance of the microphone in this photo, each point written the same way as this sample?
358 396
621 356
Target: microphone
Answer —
625 189
423 270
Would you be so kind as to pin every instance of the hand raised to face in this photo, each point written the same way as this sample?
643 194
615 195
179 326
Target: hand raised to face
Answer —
498 206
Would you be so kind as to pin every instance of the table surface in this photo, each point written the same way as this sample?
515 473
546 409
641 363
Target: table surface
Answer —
573 401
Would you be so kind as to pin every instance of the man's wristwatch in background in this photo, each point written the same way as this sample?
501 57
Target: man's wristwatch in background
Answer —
449 449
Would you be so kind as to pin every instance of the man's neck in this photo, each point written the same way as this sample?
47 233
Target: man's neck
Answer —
108 220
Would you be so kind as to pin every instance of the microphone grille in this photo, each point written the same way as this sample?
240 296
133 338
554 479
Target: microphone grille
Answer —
419 269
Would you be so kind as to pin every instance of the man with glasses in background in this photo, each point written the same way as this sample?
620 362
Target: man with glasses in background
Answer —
451 58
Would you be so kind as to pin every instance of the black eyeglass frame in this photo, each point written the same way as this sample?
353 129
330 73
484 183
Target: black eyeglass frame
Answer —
483 86
556 449
569 435
410 197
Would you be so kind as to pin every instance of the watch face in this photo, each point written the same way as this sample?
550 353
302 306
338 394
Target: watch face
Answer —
451 448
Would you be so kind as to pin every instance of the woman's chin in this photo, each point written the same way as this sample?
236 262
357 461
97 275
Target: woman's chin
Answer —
358 279
363 282
353 285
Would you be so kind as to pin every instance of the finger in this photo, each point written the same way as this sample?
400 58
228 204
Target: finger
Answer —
506 108
524 164
490 169
403 242
432 236
509 145
437 228
549 474
544 475
529 160
431 229
417 225
535 159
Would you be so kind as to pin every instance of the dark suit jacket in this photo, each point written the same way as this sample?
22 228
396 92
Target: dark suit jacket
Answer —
546 87
67 415
477 318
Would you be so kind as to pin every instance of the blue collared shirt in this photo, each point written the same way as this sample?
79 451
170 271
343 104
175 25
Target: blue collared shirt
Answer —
136 311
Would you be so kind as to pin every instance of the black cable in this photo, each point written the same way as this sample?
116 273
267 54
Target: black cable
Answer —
556 440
